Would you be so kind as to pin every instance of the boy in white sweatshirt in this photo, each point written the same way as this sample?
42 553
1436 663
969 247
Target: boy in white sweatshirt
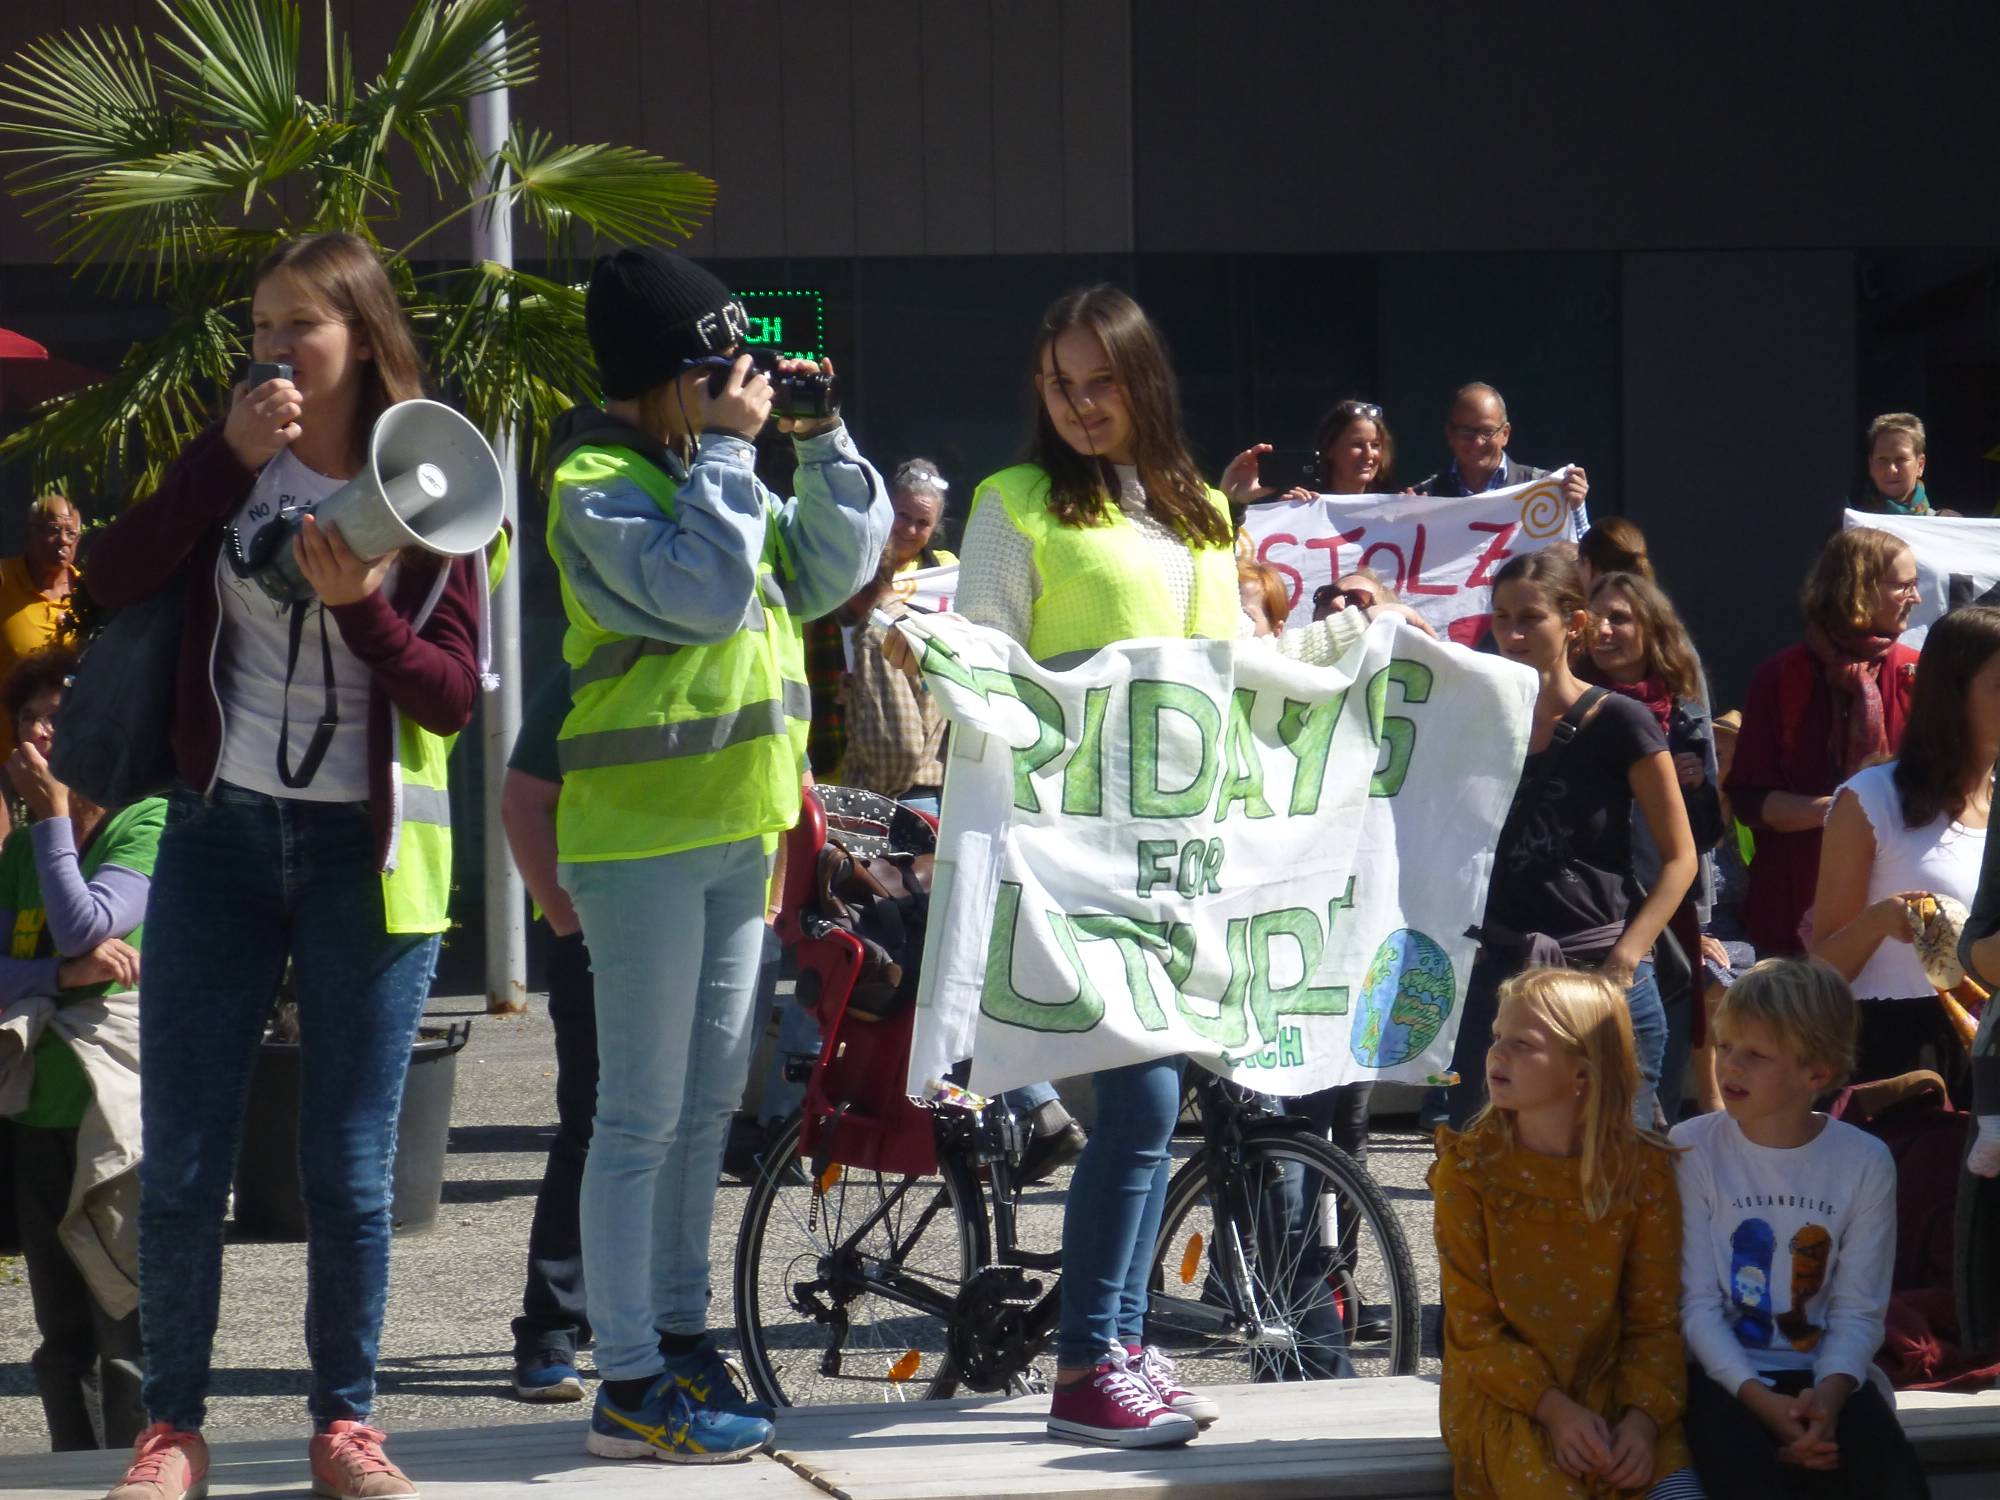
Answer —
1787 1255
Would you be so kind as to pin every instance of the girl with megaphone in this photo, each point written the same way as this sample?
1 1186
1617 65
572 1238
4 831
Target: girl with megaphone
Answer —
335 861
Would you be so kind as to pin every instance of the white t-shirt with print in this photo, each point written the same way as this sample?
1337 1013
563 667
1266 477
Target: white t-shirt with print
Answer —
250 664
1786 1255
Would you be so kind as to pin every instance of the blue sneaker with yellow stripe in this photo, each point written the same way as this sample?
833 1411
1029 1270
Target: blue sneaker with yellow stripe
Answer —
670 1427
704 1375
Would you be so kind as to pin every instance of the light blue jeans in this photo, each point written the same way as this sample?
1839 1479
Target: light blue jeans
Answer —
1649 1036
674 944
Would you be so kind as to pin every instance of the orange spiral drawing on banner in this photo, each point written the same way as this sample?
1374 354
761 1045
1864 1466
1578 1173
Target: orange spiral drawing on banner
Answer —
1544 512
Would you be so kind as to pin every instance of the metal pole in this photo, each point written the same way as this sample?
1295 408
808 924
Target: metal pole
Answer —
506 912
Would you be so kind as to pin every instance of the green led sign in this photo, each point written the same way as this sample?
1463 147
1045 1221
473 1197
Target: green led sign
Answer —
793 323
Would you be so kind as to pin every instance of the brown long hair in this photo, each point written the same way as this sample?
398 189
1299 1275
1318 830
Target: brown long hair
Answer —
1615 545
1669 654
346 277
1176 494
1839 593
1936 754
1552 574
1343 415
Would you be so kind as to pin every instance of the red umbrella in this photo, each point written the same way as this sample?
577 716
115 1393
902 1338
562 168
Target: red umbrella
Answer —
19 346
36 375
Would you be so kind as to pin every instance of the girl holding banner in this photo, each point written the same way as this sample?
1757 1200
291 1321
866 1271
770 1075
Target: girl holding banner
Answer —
1109 534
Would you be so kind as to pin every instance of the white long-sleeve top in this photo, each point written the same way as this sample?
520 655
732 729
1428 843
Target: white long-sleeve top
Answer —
998 582
1786 1255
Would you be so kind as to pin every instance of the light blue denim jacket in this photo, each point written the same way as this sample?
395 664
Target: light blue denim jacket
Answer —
690 579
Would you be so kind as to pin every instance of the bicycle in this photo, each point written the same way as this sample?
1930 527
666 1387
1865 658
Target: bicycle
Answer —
1278 1258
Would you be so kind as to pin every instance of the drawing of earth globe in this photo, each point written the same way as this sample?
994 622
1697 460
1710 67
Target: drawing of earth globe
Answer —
1406 995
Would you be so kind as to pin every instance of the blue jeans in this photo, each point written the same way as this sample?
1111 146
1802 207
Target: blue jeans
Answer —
1111 1216
1649 1034
675 942
244 882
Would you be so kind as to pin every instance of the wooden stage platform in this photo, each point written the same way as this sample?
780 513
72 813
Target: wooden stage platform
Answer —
1373 1438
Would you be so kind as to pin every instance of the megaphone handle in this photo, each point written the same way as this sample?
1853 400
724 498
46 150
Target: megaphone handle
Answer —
329 719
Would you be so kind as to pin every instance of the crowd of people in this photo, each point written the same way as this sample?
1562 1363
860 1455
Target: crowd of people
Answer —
1733 898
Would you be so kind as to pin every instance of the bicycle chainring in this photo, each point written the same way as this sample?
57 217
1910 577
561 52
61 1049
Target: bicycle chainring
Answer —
992 1342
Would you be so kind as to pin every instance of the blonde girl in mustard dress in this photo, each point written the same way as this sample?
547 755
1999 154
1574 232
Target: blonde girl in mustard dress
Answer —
1559 1241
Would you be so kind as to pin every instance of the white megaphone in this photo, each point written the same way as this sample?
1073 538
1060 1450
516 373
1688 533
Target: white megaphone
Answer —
431 481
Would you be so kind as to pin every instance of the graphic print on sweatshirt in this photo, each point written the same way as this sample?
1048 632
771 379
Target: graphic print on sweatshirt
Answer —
1754 1280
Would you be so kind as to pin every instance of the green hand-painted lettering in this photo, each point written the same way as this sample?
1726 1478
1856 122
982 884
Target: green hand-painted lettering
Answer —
1156 864
1083 776
1003 1001
1243 770
1395 733
1301 998
1148 700
1307 731
1228 1026
1135 939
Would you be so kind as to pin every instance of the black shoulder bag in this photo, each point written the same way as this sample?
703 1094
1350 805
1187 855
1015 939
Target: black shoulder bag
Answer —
119 708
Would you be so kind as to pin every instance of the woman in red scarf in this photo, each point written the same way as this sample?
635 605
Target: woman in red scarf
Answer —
1639 648
1817 713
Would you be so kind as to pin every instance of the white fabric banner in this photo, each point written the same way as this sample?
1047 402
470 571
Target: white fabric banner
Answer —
1958 562
1438 553
1204 847
929 589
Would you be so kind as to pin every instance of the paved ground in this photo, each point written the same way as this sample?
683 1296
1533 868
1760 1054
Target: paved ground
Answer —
446 1344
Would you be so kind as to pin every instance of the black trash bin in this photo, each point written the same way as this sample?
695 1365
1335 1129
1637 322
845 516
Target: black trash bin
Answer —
268 1202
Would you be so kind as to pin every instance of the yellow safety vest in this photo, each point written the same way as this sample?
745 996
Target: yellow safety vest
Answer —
666 746
416 885
1097 586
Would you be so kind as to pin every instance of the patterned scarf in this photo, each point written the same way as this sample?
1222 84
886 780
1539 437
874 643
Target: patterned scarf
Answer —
1919 504
1851 663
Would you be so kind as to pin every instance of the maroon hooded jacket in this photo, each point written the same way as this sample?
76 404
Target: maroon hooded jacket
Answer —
431 674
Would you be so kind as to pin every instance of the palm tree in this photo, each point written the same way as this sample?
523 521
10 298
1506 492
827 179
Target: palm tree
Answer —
172 169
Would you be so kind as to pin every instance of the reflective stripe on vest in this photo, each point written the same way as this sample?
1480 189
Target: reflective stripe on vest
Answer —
616 658
675 746
617 747
1099 584
426 804
416 890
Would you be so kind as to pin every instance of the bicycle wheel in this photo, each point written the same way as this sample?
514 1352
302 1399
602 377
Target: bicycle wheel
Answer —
1289 1266
845 1280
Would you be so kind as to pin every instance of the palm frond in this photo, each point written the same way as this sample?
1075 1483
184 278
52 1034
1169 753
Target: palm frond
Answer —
86 102
617 192
439 62
241 59
511 347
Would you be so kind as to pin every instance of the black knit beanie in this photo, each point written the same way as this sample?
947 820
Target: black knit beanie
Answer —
650 310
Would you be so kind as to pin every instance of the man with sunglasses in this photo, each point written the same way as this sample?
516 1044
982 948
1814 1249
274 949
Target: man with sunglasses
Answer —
1477 431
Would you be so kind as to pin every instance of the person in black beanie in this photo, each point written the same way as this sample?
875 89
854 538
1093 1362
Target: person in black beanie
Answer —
687 585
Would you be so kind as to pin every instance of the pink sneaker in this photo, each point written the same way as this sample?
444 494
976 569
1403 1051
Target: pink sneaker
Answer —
348 1464
1114 1405
167 1464
1157 1371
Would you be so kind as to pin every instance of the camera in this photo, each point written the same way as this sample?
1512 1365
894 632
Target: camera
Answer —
799 394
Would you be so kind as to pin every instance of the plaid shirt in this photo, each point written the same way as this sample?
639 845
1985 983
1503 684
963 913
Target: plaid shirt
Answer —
895 730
